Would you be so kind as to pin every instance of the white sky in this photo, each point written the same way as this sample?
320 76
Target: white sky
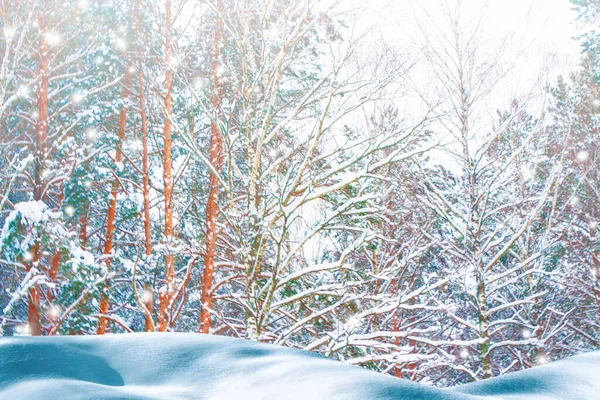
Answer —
548 23
544 28
541 31
542 42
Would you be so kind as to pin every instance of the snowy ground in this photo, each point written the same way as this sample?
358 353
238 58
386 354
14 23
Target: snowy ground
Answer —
192 366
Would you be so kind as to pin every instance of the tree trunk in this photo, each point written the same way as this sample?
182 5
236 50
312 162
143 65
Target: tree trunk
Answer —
54 265
41 128
145 167
112 209
148 293
41 131
396 327
166 294
596 281
216 160
484 348
83 225
52 275
33 306
50 292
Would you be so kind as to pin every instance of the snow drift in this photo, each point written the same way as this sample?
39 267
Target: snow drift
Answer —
192 366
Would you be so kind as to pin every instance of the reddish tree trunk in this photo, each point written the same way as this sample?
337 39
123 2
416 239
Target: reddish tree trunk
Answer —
54 264
112 209
145 167
41 128
396 326
148 294
33 312
83 225
52 274
33 306
212 206
596 281
41 150
148 302
166 294
397 369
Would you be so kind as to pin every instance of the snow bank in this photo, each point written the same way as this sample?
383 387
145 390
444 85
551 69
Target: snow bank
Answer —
572 379
193 366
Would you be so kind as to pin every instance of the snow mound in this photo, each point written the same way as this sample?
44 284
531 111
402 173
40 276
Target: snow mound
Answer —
571 379
193 366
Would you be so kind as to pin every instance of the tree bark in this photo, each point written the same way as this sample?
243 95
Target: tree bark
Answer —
41 132
83 225
145 167
165 295
216 160
596 280
148 293
148 303
396 328
112 209
33 306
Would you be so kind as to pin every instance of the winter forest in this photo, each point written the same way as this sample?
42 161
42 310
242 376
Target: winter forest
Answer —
285 172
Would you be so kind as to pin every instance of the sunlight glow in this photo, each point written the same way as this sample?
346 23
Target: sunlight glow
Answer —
77 97
91 134
9 33
28 256
120 44
53 312
200 83
23 329
24 91
53 38
146 296
583 155
542 359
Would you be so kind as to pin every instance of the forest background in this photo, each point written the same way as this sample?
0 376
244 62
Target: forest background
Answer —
293 172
